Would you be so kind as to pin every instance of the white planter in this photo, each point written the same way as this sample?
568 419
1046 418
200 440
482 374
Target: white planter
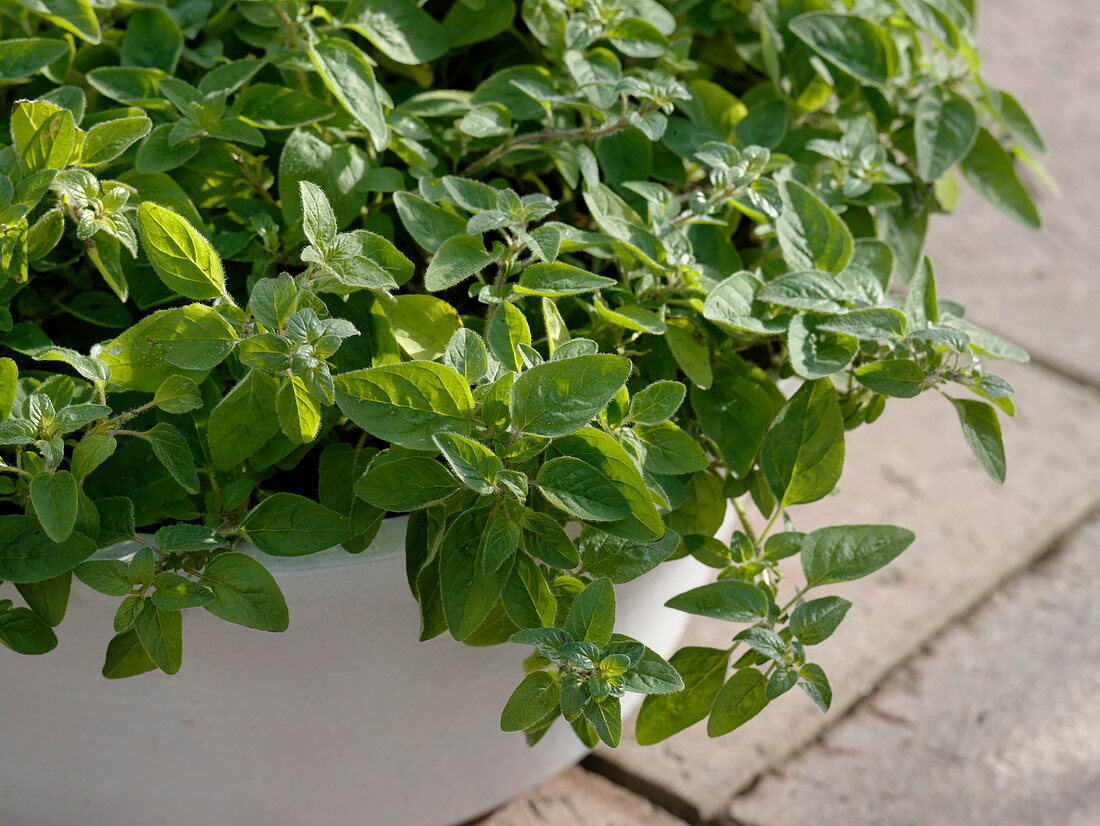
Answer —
344 719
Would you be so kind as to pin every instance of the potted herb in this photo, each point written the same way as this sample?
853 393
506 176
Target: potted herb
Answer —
507 307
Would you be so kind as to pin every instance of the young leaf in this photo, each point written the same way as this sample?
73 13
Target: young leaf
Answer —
534 698
54 496
160 633
581 490
814 622
591 617
982 430
741 698
727 599
182 258
810 234
989 169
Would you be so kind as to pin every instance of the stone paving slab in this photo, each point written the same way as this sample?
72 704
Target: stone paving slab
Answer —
580 798
997 723
910 469
1041 288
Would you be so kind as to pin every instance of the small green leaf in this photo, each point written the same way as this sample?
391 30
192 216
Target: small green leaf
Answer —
107 576
982 430
406 483
126 657
657 402
27 56
591 617
243 421
174 592
184 260
474 464
557 279
173 451
25 633
318 219
606 718
534 698
945 126
901 378
810 234
457 259
299 412
814 622
347 73
54 496
812 680
989 169
861 48
160 633
740 699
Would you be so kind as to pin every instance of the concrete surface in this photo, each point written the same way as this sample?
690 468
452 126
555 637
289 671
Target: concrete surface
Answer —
580 798
997 723
1048 55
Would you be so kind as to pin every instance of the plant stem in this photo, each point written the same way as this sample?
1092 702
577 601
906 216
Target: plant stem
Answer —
582 133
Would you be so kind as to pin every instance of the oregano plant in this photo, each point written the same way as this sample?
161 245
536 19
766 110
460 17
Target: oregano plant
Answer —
561 280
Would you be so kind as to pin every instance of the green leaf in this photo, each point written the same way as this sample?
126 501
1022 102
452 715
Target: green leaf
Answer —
621 560
468 593
606 717
814 622
669 450
606 455
75 16
48 598
734 414
299 412
474 464
422 324
591 617
407 403
160 633
152 40
245 593
182 258
106 141
989 169
861 48
560 397
346 72
982 430
810 234
406 483
945 126
557 279
534 698
243 421
740 699
816 353
703 671
398 28
25 633
174 592
901 378
802 454
28 56
54 496
107 576
546 540
507 330
845 552
173 451
286 524
430 226
318 219
812 680
126 657
27 554
581 490
456 259
527 597
653 675
466 355
268 106
657 402
176 394
728 599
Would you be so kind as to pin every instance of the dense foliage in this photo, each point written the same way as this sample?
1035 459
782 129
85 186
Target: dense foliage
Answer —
273 270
